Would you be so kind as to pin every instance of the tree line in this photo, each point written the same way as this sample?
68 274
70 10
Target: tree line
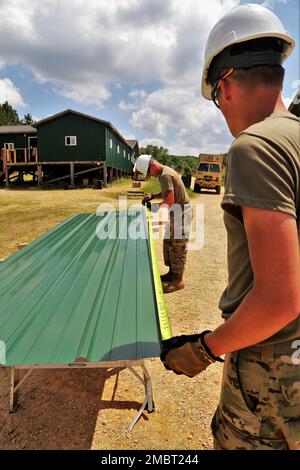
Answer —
182 164
9 116
185 165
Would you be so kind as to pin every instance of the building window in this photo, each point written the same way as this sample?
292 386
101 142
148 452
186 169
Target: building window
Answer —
118 148
128 156
110 143
124 153
9 146
70 140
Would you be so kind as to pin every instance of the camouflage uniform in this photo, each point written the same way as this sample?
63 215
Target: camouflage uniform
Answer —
260 401
176 238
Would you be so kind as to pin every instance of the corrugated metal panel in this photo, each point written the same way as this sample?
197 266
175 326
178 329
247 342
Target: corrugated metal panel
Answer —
70 295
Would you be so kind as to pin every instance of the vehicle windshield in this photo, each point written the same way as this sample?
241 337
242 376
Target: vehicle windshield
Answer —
203 167
214 168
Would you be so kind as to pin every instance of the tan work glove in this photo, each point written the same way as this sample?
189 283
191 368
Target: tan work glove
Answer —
187 354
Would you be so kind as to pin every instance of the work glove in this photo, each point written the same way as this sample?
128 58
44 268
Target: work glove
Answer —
146 199
187 354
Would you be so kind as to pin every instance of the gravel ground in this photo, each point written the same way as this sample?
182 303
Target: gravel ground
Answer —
92 409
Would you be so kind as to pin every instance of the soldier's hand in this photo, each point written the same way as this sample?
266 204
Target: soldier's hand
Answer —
187 354
146 199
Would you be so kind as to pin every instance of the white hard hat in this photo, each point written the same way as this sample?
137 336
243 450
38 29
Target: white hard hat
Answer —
243 23
142 164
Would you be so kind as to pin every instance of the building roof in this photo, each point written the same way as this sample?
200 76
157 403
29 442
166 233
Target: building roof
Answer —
70 295
295 105
132 143
23 129
86 116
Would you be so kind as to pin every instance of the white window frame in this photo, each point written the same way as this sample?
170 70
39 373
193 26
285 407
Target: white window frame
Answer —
73 143
110 143
9 146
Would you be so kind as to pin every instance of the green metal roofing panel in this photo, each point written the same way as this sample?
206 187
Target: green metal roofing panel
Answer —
71 295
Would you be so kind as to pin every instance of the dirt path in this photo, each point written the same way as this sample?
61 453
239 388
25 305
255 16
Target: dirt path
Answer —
73 409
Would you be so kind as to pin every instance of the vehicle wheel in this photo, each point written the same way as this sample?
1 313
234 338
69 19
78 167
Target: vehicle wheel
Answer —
196 188
218 189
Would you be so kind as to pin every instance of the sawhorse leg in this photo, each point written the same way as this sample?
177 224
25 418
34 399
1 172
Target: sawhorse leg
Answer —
148 401
15 384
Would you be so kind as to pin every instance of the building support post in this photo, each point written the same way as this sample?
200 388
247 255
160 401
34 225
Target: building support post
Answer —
111 175
6 177
39 174
72 175
105 174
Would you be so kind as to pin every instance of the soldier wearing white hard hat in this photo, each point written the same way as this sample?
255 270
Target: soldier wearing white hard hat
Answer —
175 197
259 406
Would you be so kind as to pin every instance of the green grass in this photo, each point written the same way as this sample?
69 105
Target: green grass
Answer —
25 215
152 186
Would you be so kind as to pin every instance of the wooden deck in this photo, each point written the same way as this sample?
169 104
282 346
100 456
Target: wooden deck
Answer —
26 160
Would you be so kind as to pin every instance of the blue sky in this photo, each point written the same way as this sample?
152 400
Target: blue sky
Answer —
136 63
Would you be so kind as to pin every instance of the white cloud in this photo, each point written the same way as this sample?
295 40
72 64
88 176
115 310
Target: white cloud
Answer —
8 92
148 119
138 97
271 3
195 121
84 49
132 41
87 94
125 106
152 141
139 94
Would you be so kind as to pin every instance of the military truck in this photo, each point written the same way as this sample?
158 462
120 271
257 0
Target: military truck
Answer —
209 173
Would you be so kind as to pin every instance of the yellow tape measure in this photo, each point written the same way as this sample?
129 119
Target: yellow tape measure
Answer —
164 323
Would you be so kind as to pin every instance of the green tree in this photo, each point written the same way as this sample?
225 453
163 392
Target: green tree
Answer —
27 119
182 164
8 115
160 154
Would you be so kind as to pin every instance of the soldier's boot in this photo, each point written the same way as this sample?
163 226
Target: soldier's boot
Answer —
166 277
175 283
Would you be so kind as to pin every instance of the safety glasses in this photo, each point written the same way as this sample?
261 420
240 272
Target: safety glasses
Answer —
215 88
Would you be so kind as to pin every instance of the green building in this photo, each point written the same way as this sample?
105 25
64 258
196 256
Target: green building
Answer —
17 137
76 146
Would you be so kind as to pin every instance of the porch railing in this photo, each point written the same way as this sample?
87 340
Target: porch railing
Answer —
20 155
